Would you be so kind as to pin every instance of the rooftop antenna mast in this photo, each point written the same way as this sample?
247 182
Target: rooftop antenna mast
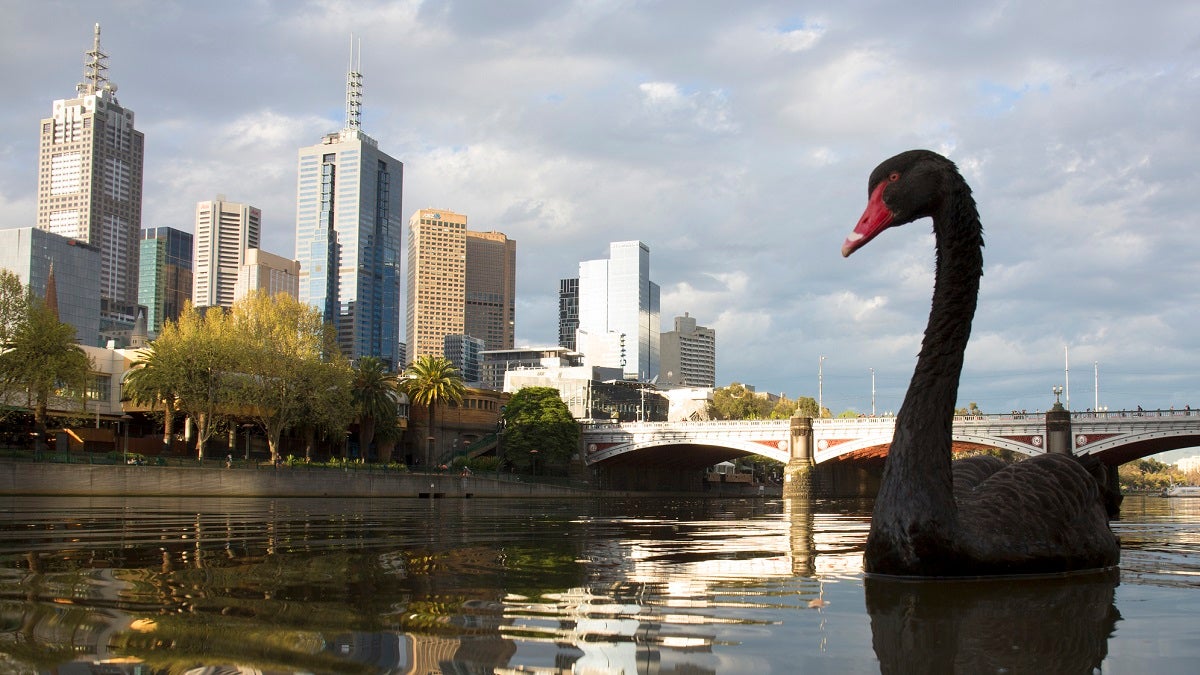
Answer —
354 88
95 68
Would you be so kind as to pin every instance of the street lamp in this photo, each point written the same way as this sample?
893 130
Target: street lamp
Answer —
872 392
821 387
1057 390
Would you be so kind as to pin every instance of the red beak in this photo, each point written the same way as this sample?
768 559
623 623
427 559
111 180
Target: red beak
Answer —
876 219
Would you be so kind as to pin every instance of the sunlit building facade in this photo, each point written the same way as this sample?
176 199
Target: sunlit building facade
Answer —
348 220
90 178
164 274
619 310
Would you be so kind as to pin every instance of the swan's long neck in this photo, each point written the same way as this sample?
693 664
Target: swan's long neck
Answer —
917 488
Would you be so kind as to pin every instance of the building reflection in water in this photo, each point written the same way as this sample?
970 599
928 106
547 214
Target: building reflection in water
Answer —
285 587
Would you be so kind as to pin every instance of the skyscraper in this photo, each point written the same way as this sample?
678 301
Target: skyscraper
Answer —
437 280
489 312
689 354
224 230
267 273
31 253
164 274
90 178
568 312
459 283
348 243
619 311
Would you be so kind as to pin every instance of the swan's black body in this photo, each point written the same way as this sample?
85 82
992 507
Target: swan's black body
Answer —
1042 515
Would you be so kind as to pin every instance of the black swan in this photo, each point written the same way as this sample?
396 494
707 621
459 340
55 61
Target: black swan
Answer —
1042 515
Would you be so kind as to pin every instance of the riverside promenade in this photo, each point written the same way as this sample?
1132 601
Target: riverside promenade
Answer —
50 479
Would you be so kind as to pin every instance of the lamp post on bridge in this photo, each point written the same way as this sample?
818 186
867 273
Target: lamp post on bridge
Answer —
821 387
872 392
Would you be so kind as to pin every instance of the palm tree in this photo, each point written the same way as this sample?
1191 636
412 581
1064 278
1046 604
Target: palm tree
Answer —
373 393
147 383
428 381
42 357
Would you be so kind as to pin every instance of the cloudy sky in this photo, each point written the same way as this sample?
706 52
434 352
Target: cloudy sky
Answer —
734 138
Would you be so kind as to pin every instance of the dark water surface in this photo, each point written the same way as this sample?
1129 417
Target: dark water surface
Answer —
507 586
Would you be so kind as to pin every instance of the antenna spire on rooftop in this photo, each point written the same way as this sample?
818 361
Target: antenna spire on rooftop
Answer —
95 68
354 87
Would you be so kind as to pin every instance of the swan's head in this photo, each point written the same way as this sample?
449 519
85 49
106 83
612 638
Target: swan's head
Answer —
901 189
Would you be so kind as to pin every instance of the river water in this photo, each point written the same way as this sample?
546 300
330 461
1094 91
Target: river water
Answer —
569 586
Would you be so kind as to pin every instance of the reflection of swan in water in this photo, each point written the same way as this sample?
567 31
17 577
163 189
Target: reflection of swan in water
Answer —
1028 625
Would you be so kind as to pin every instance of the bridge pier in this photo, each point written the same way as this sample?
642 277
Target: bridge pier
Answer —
798 472
1058 430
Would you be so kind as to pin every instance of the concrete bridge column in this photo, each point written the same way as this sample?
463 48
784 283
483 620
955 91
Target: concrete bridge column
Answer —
1058 430
798 473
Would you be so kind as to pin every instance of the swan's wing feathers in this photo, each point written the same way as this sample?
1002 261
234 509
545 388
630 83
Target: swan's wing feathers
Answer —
971 471
1042 508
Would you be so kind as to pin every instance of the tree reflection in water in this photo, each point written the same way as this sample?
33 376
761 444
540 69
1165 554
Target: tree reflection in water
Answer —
1008 625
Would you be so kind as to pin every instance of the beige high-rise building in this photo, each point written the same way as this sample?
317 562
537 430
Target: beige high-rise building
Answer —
224 231
269 273
459 283
490 312
90 178
437 280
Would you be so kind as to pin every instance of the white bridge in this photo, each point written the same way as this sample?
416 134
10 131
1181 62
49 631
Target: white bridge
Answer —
1113 437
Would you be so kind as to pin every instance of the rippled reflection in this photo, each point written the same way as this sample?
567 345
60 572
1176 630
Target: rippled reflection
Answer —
651 586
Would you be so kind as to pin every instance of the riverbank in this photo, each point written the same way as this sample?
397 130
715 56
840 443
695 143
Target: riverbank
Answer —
45 479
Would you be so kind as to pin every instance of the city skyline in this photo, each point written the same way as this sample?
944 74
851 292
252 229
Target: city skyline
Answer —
736 146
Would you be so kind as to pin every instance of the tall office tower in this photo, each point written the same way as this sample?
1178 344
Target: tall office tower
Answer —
618 311
269 273
689 354
224 230
490 308
348 234
31 253
90 178
164 274
465 352
437 280
568 312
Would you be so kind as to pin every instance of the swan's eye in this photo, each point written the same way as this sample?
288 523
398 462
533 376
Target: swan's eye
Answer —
894 176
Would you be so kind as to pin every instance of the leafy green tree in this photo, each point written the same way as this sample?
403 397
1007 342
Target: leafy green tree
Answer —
43 360
373 394
13 312
281 346
199 353
849 414
539 428
430 381
806 406
738 402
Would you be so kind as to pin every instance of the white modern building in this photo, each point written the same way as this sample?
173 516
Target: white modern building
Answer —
619 312
224 232
348 220
90 179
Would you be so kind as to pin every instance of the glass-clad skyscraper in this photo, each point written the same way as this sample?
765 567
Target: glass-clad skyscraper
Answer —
348 236
165 274
619 319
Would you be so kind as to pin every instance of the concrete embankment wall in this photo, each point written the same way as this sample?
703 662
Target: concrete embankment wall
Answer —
20 478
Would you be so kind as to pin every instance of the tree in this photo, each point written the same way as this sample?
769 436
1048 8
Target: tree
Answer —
282 349
149 382
13 312
198 352
373 393
538 429
806 406
428 381
738 402
43 360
